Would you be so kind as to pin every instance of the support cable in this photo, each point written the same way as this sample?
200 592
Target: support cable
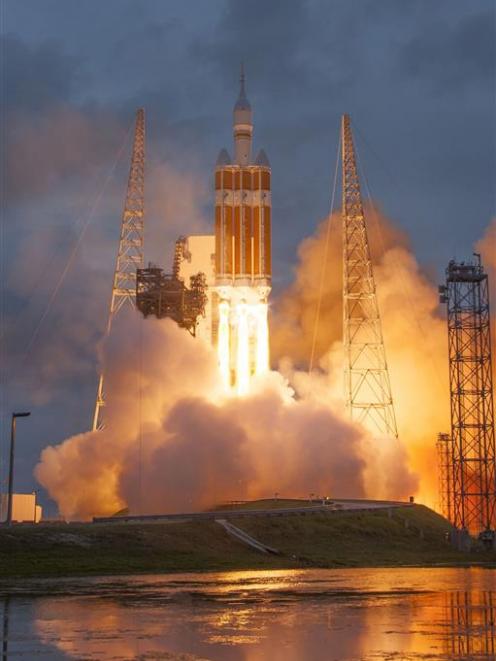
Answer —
324 262
399 274
74 251
130 255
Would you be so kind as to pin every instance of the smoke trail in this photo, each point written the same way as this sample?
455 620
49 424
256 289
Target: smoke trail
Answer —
199 447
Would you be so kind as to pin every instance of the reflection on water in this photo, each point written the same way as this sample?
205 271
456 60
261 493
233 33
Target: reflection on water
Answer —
471 620
342 615
5 629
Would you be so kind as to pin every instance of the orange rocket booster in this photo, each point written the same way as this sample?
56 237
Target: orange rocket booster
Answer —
242 224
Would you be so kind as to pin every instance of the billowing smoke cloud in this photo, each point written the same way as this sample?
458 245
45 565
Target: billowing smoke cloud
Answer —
414 331
294 319
173 442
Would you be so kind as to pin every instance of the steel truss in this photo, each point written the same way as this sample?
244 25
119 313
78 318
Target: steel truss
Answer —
130 252
444 448
367 384
471 390
165 295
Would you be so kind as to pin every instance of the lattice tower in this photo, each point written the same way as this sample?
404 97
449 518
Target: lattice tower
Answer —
471 392
444 448
367 384
130 251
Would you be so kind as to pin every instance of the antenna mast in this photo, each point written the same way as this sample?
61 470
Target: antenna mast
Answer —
130 252
368 389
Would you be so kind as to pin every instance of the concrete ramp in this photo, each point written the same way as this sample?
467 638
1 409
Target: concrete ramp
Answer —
244 537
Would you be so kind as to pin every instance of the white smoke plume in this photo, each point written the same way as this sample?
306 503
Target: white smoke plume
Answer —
414 329
173 442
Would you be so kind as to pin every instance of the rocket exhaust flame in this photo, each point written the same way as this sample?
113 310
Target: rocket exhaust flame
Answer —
242 349
223 344
243 341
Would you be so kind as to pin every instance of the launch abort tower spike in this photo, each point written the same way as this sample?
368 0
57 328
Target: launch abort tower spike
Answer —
130 252
368 389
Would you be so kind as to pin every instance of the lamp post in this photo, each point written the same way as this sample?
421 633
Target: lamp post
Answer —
35 494
11 462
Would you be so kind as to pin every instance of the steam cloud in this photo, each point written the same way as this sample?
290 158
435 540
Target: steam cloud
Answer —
414 328
173 442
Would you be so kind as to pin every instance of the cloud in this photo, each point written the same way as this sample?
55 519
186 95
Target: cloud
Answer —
414 331
57 150
34 76
452 57
273 62
173 442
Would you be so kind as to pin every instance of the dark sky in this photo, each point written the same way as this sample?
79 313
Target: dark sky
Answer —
418 78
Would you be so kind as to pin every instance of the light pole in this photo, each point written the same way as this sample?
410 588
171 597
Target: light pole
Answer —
11 463
35 494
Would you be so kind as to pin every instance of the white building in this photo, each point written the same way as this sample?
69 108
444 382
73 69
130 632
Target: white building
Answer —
24 508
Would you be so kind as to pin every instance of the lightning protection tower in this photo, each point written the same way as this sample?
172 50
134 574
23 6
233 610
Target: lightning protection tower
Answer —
368 389
130 251
466 294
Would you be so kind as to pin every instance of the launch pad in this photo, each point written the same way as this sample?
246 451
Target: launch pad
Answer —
219 287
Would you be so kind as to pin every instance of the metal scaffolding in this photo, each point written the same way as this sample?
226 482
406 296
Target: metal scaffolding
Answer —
444 448
368 389
165 295
471 390
180 252
130 252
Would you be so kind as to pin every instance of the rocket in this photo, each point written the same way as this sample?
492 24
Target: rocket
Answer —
243 269
242 207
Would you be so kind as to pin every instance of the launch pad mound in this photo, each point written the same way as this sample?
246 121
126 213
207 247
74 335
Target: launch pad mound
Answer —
396 537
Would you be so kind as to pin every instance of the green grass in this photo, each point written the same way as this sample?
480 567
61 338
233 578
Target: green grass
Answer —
266 504
413 535
410 536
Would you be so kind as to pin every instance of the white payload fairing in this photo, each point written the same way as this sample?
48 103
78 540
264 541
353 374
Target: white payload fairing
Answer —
242 255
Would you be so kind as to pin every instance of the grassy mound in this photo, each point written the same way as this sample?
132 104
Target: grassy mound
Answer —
400 536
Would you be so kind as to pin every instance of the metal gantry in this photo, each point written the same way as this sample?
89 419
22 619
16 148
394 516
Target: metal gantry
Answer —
466 294
367 384
163 295
130 252
444 447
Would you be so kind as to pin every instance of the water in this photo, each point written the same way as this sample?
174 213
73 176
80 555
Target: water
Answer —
314 615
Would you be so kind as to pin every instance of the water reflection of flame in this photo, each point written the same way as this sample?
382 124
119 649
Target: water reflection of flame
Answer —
277 615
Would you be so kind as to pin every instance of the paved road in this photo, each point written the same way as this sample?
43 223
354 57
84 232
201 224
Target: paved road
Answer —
334 506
